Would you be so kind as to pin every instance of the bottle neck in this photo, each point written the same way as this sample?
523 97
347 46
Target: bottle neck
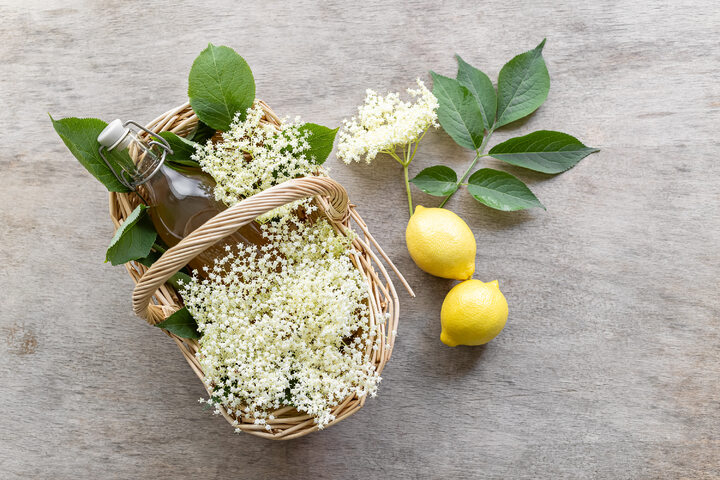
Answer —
147 159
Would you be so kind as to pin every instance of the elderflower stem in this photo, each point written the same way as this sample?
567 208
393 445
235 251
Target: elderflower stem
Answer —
478 153
393 155
417 143
408 157
407 188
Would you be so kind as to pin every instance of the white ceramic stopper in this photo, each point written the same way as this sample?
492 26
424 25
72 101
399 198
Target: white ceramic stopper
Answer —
113 134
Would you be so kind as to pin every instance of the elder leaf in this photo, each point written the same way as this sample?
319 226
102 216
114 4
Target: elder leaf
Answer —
321 140
482 89
459 112
133 239
501 191
542 151
80 137
181 323
182 148
220 85
439 181
523 85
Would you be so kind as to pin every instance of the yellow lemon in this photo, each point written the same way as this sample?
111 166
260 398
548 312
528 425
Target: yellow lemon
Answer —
441 243
473 313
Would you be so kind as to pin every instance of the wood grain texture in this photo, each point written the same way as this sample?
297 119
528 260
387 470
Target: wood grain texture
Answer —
609 366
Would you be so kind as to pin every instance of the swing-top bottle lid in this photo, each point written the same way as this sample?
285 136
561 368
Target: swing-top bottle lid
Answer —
113 134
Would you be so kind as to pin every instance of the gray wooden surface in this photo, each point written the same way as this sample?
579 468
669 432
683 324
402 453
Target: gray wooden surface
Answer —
608 366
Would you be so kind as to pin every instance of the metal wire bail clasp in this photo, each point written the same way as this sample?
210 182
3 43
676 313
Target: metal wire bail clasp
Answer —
145 157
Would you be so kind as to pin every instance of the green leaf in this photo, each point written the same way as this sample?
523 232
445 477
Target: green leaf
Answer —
543 151
220 84
182 148
501 191
175 280
459 112
202 133
481 87
321 141
523 85
80 137
439 181
134 238
181 323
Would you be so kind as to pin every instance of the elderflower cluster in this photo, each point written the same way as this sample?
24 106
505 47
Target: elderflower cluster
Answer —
254 155
385 122
285 323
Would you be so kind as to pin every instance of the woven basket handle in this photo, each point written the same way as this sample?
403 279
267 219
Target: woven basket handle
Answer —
230 220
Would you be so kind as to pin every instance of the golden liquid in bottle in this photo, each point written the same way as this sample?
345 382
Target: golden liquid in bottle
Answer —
181 199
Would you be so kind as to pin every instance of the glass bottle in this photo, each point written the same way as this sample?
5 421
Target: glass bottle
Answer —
180 198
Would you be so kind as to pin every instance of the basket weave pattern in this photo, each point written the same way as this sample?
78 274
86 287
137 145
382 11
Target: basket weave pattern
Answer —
155 300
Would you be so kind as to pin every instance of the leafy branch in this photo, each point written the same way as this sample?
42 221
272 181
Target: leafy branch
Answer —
471 110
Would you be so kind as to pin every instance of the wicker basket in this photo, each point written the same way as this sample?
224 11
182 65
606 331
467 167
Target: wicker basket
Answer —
155 300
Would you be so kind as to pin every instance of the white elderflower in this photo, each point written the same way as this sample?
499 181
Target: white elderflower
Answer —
386 124
254 156
281 323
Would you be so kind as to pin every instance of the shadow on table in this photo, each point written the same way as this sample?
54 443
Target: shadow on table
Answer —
454 361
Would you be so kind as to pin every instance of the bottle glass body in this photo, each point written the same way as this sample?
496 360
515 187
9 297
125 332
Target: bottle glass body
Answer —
181 199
